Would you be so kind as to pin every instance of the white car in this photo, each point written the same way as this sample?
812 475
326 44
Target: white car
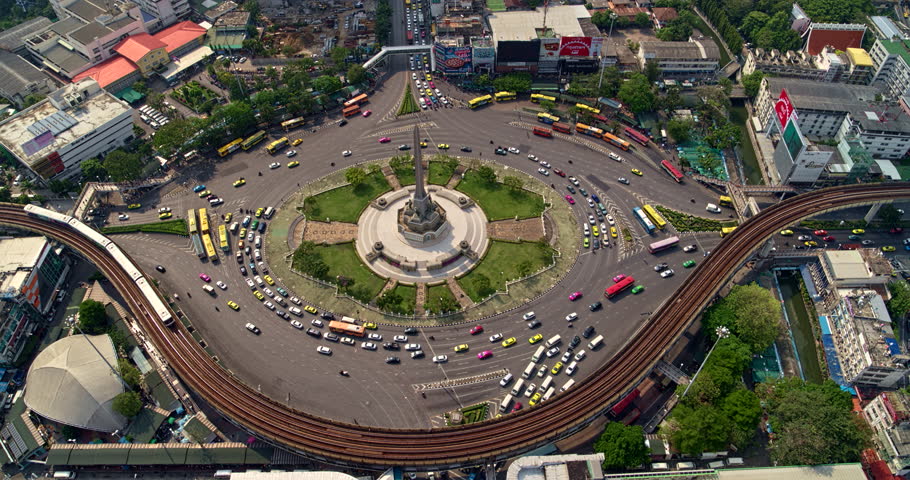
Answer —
530 390
221 285
552 352
572 317
268 292
412 347
543 171
375 336
269 305
574 181
123 216
291 153
400 338
164 210
590 202
316 323
532 157
545 164
296 324
579 356
690 248
274 165
413 76
591 219
529 316
615 157
570 370
495 338
348 341
514 150
324 350
251 284
603 228
440 359
667 273
542 371
368 345
346 153
566 357
610 220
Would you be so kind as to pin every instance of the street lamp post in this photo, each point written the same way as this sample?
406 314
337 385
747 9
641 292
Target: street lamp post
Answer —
609 37
722 332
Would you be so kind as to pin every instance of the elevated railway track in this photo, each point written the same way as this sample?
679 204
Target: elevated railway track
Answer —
500 438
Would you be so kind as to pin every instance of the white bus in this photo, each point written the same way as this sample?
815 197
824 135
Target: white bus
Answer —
529 370
538 354
550 392
504 405
593 344
546 384
568 385
553 341
519 385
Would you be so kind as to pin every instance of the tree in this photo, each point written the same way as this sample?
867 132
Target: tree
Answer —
483 80
680 129
92 317
177 136
623 446
642 19
483 285
129 373
676 30
752 83
389 301
339 54
61 187
513 182
743 408
127 404
637 93
443 304
652 71
356 74
725 136
694 430
513 82
355 176
750 312
899 304
237 119
753 23
486 174
327 84
889 215
252 6
309 261
93 171
32 99
141 88
123 166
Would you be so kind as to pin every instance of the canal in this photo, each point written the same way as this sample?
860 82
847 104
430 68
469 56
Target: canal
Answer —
800 326
739 116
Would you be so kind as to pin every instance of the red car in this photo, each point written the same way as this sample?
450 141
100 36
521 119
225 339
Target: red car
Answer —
516 407
476 329
619 277
484 354
829 238
385 140
570 199
821 233
574 296
896 230
559 172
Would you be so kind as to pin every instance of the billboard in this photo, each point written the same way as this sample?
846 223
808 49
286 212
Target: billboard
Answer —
783 108
453 59
549 49
575 47
793 139
517 51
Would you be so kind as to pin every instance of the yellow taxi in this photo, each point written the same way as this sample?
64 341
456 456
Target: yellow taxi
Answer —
858 231
233 305
594 230
429 77
242 232
296 142
268 279
259 212
811 243
535 338
509 342
228 216
165 216
637 172
423 144
461 348
205 193
259 295
535 399
556 368
613 232
239 182
888 248
443 146
134 206
293 164
786 233
370 326
310 309
240 244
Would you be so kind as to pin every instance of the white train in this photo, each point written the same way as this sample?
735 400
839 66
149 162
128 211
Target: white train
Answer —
158 305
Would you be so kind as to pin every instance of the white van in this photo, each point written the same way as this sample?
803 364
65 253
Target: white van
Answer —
234 226
504 405
505 380
593 344
553 341
269 211
546 384
567 385
538 354
519 385
258 241
64 474
529 370
209 290
550 392
712 208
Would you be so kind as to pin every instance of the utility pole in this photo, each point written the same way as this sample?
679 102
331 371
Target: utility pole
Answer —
722 332
609 37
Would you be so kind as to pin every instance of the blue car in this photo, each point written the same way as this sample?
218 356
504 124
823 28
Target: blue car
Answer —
594 197
198 188
252 268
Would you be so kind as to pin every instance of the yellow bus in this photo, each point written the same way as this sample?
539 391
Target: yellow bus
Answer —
480 101
191 220
253 140
223 238
277 145
537 98
209 248
544 117
725 201
504 96
655 217
203 221
292 123
726 231
586 108
230 148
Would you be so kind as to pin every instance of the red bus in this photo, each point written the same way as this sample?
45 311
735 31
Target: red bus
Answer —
637 136
663 244
616 141
543 132
350 111
600 118
346 328
671 170
410 37
562 128
624 403
617 288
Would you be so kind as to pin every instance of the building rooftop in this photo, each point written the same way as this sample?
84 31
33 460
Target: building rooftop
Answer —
68 60
18 256
680 50
42 128
859 57
841 471
179 34
523 25
556 467
237 18
16 74
847 264
664 14
108 71
84 10
838 35
90 32
14 38
67 25
886 28
872 322
220 9
135 47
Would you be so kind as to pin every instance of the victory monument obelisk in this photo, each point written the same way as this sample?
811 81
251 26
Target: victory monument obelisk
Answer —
421 220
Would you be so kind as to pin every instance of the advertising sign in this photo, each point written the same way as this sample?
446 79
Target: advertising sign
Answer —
793 139
783 108
575 47
549 49
453 59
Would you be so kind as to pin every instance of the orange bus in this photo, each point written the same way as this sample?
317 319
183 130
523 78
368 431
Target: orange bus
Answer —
350 111
562 127
362 98
346 328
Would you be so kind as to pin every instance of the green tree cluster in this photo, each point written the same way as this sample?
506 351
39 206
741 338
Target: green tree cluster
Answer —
680 28
680 129
771 32
383 21
716 11
309 261
92 317
638 93
587 85
513 82
123 166
623 446
128 404
899 305
752 82
129 373
750 312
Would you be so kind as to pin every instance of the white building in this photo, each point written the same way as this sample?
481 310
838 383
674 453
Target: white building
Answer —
77 122
889 416
556 467
892 66
168 12
695 57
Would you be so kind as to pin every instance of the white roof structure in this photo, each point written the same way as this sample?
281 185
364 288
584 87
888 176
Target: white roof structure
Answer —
18 256
847 265
69 382
295 475
522 25
841 471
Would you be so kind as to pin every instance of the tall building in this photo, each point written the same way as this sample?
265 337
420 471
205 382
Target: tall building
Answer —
892 65
681 59
853 66
32 269
77 122
889 416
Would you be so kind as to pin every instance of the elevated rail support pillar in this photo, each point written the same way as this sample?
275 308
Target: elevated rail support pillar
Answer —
873 211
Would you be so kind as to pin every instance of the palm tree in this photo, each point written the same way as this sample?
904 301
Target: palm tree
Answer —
27 185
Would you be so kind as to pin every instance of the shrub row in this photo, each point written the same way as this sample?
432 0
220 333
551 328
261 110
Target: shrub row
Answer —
684 222
173 227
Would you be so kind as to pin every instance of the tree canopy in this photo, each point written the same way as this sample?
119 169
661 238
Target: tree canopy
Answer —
123 166
513 82
752 83
623 446
327 84
680 129
750 312
127 404
92 318
637 93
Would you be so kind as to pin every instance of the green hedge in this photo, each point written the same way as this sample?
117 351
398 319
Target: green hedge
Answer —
475 413
408 104
173 227
684 222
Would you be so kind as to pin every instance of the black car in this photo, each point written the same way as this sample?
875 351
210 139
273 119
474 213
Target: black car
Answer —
575 341
392 360
391 346
327 316
570 188
588 332
501 151
660 266
410 331
160 268
313 332
262 227
343 123
465 149
595 306
243 270
533 324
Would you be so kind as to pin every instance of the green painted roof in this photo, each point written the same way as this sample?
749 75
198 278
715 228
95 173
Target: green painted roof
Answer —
159 391
196 430
142 429
158 454
900 47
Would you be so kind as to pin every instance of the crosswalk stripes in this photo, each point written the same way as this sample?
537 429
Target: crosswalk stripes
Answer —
437 421
460 382
625 250
405 129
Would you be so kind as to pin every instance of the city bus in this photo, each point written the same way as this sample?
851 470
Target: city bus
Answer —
589 130
191 220
480 101
583 107
544 117
671 170
726 231
504 96
725 201
663 244
358 100
655 217
616 141
209 248
292 123
350 111
637 136
537 98
542 132
230 148
346 328
277 145
253 140
601 119
197 246
643 220
618 287
223 238
410 37
562 128
203 221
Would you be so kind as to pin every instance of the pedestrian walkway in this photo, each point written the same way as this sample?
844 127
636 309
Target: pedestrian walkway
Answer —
530 229
391 177
463 299
456 177
389 285
421 299
330 233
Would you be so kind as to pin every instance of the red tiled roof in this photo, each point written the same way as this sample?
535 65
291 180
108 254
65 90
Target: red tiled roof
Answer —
664 14
880 471
629 11
108 71
179 35
137 46
839 39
